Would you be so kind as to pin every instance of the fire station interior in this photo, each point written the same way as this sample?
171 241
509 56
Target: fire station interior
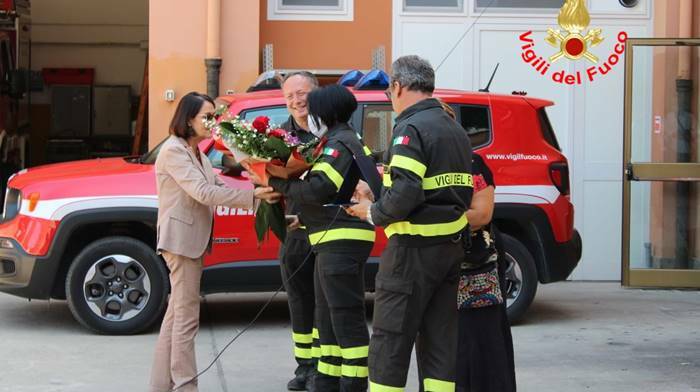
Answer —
72 81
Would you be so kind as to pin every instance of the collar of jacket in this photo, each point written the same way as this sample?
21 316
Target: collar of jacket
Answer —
293 127
336 131
428 103
192 153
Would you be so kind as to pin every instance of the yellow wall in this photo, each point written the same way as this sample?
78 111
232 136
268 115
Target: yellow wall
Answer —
177 49
330 45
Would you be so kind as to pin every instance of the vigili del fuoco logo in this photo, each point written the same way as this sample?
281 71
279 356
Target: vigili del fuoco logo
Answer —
574 41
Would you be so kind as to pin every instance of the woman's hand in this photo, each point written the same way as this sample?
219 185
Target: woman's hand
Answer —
268 194
254 178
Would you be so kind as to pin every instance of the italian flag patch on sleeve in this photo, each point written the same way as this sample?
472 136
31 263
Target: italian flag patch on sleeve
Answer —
403 140
331 151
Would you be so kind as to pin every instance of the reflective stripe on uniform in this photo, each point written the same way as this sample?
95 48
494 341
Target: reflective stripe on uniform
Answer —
367 151
330 172
448 179
427 230
314 333
344 370
433 385
329 370
303 353
386 180
354 371
342 234
374 387
329 350
410 164
355 352
303 338
315 352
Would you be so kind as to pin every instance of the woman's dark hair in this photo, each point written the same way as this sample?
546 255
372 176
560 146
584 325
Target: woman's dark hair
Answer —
187 109
333 104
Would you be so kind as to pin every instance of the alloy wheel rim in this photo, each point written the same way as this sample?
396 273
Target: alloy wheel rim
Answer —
117 288
514 280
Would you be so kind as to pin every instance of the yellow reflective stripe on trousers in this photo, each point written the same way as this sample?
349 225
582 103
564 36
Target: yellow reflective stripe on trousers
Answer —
354 371
314 333
330 172
409 164
342 234
315 352
367 151
303 353
433 385
355 352
448 179
329 370
374 387
303 338
328 350
427 230
386 180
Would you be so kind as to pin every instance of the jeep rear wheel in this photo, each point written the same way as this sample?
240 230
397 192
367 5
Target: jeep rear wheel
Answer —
117 285
521 278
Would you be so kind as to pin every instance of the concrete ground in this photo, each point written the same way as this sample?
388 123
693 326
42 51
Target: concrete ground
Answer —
576 337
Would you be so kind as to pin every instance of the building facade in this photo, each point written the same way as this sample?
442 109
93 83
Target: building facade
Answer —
465 39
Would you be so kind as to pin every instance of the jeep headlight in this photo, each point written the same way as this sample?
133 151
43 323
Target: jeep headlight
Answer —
13 204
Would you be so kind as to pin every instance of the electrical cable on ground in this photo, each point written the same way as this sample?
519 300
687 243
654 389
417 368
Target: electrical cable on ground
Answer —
262 309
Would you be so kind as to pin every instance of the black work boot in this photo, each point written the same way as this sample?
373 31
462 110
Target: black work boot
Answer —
298 383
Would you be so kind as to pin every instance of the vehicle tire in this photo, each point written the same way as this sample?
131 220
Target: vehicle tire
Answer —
521 278
117 286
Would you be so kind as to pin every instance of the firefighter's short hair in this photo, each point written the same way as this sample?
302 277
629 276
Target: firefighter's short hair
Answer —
414 73
333 104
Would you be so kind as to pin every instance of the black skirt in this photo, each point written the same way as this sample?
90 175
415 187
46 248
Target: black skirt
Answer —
485 361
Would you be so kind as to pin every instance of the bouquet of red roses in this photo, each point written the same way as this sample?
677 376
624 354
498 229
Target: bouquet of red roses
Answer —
268 151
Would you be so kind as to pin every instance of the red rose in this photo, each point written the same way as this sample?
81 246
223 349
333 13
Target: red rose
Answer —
278 133
261 123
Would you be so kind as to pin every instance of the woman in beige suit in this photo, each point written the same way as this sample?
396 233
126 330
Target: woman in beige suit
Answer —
188 191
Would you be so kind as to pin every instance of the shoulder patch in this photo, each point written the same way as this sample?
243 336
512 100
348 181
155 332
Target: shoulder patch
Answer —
331 151
403 140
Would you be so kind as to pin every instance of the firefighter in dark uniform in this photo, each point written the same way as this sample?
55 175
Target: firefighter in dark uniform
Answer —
342 243
295 252
427 190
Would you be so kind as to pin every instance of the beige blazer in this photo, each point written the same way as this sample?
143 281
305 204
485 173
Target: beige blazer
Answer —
187 194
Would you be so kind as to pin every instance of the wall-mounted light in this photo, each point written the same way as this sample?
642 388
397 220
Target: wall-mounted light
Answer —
169 95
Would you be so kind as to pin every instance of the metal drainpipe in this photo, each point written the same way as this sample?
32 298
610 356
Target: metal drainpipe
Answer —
684 90
213 60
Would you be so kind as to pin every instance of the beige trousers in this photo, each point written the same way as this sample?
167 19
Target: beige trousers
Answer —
174 362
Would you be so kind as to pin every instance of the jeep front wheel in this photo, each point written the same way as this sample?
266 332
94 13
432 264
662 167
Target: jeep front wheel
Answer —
117 285
521 278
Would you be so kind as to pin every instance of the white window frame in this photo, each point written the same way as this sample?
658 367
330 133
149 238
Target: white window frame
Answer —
513 11
437 10
343 13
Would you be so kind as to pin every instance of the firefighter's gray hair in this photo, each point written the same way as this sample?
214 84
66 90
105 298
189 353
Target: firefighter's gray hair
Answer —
414 73
305 74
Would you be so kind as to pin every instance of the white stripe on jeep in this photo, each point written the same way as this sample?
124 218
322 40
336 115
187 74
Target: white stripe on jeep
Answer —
527 194
56 209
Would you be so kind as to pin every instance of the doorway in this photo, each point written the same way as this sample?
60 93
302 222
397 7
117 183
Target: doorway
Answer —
661 188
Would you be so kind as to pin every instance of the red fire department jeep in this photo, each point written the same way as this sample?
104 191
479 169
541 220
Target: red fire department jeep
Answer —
85 231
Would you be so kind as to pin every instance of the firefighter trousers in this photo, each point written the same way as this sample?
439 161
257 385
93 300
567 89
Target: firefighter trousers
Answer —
300 297
415 303
340 319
